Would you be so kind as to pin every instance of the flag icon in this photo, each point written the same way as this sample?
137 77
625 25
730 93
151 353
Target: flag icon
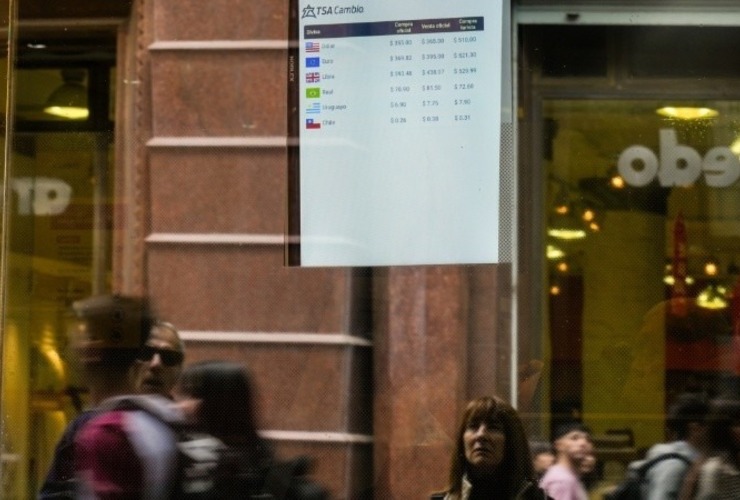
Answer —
312 46
311 124
313 62
313 77
313 92
314 108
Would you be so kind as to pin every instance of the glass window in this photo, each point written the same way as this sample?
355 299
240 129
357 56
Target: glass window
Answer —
640 239
59 241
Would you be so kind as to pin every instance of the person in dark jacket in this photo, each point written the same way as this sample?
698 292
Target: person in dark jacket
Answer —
491 458
217 399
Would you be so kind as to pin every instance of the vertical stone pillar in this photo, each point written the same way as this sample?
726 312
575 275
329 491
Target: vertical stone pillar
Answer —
420 349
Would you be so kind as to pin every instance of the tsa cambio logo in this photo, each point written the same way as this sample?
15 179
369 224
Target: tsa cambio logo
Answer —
316 11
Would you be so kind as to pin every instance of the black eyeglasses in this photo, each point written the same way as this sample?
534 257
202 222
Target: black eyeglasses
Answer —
168 356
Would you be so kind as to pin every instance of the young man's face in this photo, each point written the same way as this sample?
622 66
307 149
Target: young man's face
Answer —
575 445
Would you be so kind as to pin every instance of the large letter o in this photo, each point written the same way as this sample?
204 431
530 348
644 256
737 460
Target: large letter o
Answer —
630 174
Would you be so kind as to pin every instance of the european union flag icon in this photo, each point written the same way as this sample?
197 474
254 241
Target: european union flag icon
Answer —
313 62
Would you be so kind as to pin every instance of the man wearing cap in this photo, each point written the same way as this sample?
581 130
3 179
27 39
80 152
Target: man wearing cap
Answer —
572 443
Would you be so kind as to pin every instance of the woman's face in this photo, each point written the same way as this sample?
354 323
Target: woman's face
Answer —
484 444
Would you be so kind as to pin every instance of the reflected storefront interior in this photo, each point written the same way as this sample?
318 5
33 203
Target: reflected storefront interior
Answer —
637 137
167 177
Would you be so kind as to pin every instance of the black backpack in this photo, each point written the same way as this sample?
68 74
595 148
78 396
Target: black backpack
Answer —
631 487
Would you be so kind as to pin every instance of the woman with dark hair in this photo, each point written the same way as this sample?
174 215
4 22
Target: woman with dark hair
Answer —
217 399
491 458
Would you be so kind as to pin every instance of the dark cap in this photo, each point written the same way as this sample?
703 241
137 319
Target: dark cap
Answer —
566 428
111 327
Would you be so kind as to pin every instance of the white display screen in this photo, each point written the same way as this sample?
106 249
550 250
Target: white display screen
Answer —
394 116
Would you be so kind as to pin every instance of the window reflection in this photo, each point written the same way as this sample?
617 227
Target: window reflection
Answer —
59 241
645 307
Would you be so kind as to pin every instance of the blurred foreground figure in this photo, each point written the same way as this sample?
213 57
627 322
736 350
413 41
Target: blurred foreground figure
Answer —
159 365
491 457
217 400
120 453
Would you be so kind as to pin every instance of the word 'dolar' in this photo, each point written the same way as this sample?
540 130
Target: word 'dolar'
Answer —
679 165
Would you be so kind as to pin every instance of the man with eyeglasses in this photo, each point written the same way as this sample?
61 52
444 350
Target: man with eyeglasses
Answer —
160 361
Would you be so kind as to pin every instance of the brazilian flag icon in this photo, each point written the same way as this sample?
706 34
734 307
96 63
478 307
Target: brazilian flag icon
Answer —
313 92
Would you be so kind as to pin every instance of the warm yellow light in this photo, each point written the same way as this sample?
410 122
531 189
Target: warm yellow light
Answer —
617 182
561 209
554 253
710 268
567 234
735 146
712 297
554 290
687 112
588 215
69 112
594 226
670 280
562 267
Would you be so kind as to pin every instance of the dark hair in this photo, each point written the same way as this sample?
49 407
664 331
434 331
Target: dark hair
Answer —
227 401
110 330
568 427
723 415
537 447
516 466
688 408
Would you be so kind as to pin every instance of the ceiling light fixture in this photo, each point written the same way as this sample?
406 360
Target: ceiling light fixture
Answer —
712 297
554 253
687 112
70 99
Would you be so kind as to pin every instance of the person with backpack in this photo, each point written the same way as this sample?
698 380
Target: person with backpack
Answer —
667 472
687 426
217 400
159 366
122 451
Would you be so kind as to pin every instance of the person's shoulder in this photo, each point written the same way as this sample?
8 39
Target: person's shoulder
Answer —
157 406
558 473
669 455
659 449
